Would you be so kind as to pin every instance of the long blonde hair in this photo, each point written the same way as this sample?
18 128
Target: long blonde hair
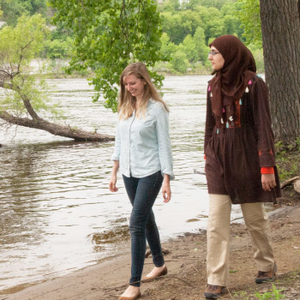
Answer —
127 102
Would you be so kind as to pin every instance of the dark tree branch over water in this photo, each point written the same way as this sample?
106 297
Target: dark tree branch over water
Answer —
24 96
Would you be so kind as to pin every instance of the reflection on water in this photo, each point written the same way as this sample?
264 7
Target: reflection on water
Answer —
56 212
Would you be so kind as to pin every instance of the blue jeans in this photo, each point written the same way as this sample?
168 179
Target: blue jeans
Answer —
142 193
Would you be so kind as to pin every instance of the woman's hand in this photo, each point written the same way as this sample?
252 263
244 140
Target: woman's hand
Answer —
166 188
268 182
113 179
112 183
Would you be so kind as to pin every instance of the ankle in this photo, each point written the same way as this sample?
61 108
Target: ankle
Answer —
162 267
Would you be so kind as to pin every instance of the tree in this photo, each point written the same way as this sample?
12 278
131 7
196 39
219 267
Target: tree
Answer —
213 27
167 47
232 24
108 36
172 26
280 23
203 49
179 61
248 11
13 9
190 48
170 5
191 4
59 44
277 24
24 96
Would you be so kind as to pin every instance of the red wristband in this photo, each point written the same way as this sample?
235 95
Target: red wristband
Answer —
267 170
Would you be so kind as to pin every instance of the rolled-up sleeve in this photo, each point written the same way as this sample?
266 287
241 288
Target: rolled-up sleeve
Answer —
164 143
117 149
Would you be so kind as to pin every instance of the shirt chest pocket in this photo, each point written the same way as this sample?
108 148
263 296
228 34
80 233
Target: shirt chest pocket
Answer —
150 121
145 127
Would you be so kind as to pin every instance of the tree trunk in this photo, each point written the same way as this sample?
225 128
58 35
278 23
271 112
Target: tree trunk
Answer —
280 22
65 131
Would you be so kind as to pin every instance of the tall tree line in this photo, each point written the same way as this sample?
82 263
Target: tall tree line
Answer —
14 9
108 36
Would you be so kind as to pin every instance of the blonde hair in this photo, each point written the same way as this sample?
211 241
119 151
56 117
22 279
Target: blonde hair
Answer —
127 102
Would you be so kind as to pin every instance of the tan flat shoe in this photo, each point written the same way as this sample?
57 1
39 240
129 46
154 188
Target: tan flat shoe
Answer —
130 298
163 272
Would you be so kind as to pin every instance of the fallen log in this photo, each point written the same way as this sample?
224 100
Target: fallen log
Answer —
296 185
295 181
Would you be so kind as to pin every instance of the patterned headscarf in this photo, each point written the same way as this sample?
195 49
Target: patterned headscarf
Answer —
230 82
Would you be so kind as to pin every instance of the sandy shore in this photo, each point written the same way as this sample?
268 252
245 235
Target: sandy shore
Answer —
186 263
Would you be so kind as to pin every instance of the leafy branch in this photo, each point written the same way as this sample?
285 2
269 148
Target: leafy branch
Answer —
108 36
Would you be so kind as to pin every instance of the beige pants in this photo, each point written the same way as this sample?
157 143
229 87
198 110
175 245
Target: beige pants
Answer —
218 235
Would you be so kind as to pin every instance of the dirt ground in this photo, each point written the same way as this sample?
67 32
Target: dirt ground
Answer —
186 279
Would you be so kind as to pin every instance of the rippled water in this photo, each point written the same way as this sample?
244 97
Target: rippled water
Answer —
56 212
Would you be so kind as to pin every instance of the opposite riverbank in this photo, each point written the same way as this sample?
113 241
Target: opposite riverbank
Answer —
186 279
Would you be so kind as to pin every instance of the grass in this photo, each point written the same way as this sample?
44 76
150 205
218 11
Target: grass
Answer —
275 294
287 160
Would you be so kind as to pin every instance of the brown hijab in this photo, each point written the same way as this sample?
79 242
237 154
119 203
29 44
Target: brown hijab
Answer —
230 82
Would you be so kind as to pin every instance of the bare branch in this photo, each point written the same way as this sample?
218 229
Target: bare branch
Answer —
5 85
26 101
65 131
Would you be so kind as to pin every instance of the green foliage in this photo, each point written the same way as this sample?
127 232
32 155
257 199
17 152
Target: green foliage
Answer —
192 52
19 45
30 89
214 22
167 47
180 24
249 15
190 48
13 9
203 49
100 36
287 159
240 295
257 52
108 35
171 26
215 3
170 5
274 294
58 48
179 61
60 43
195 47
213 26
232 24
177 5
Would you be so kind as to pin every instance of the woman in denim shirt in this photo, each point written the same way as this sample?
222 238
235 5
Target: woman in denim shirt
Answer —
143 155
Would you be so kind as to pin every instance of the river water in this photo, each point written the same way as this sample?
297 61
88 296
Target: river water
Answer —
56 212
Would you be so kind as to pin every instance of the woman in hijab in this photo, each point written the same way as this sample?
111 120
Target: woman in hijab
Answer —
240 162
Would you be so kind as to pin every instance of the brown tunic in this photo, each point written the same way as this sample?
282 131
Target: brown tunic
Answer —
236 149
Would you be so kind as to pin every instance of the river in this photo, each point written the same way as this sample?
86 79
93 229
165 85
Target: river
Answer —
57 214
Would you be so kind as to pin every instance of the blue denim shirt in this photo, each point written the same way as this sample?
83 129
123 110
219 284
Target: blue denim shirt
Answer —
143 145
